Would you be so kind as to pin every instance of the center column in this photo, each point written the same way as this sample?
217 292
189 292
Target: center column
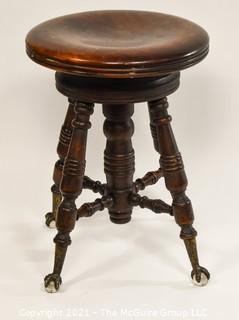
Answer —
119 164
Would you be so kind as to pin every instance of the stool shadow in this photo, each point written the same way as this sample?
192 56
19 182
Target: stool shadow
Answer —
115 263
151 246
116 284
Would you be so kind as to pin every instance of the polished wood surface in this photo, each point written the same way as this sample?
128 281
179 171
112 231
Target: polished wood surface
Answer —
119 160
62 149
117 44
116 91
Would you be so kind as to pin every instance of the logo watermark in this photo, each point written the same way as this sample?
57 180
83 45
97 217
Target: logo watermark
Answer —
111 313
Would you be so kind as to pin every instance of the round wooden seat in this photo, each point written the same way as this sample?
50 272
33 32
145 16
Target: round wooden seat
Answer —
117 44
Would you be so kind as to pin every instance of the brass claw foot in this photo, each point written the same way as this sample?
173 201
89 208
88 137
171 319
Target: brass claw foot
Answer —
200 276
52 282
50 220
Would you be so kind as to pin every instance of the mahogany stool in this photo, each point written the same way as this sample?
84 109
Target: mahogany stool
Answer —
117 58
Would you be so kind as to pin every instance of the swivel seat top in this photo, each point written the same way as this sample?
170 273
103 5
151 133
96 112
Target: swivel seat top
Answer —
117 44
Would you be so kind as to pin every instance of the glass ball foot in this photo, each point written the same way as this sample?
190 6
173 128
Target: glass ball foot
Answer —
50 220
52 283
200 276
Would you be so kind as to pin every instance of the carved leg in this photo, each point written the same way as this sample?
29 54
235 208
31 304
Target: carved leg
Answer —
71 187
176 182
119 159
63 146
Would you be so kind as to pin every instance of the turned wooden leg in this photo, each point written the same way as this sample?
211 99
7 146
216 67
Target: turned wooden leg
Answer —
62 149
119 159
176 182
70 187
